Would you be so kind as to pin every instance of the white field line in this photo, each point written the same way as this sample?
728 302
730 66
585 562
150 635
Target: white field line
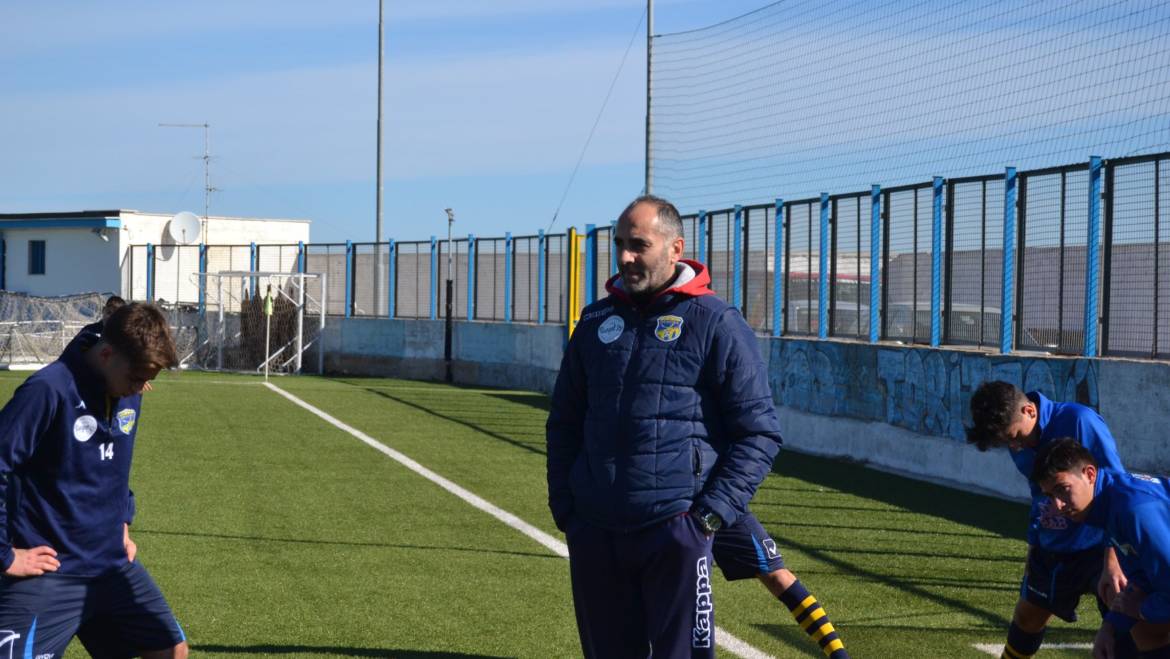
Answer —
730 643
995 649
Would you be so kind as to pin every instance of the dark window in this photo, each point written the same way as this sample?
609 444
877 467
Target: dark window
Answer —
36 257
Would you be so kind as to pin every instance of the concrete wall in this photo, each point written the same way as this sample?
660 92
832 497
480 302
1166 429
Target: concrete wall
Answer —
894 407
515 355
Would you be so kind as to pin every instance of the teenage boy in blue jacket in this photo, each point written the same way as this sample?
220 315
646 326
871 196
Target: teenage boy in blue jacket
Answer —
1065 559
1134 512
661 428
66 441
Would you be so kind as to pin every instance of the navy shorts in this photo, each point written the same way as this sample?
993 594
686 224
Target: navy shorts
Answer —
117 615
1055 581
745 550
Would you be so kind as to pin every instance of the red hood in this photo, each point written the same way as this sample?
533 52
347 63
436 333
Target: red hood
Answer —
692 280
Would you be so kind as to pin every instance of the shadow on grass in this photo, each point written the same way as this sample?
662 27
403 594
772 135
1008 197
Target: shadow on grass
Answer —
445 417
1004 518
534 401
341 543
336 651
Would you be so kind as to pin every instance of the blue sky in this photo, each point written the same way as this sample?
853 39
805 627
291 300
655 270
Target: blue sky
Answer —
487 105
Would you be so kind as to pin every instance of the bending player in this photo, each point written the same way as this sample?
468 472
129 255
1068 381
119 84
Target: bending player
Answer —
1134 511
66 441
1065 558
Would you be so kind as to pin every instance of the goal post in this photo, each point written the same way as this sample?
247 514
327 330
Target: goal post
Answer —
233 332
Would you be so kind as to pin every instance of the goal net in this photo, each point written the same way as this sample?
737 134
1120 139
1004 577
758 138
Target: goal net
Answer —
35 330
232 332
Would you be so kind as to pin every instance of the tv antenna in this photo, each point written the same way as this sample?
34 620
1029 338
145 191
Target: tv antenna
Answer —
207 189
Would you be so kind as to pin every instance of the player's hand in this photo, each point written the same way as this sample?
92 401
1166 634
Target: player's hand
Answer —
146 386
131 547
33 562
1103 643
1129 602
1113 580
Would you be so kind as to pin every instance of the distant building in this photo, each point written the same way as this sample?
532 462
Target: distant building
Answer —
50 254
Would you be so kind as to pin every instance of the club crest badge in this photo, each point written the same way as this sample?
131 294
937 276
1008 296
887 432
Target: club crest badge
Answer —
126 420
611 329
669 328
84 428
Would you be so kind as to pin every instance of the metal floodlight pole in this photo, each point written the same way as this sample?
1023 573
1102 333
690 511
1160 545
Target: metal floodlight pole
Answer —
449 329
649 79
378 194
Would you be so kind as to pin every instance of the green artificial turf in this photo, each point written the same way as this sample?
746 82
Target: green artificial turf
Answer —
273 533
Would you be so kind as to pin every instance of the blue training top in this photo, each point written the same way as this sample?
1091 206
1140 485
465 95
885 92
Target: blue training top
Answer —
1047 528
65 450
1134 511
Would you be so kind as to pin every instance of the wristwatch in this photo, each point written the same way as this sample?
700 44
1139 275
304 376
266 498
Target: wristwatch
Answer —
708 520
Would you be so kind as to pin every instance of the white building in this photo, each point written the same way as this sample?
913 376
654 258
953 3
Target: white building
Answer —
48 254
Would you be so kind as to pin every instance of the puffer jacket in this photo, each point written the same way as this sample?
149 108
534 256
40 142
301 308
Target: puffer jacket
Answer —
659 409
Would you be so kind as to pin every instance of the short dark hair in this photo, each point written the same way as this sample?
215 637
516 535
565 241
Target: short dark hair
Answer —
1060 455
140 332
113 303
667 214
993 409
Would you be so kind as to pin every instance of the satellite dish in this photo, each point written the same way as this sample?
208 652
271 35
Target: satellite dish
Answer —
184 228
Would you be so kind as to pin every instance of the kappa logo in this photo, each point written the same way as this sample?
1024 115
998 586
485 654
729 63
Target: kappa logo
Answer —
611 329
669 328
7 643
701 635
1125 549
84 428
597 314
126 420
80 406
770 547
1146 477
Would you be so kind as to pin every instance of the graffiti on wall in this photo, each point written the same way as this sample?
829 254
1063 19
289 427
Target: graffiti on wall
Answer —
921 389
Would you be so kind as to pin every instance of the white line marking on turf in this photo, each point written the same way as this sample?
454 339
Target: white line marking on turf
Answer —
729 642
995 649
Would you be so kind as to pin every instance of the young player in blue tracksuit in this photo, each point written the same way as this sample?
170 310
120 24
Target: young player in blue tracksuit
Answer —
1134 512
1065 558
66 442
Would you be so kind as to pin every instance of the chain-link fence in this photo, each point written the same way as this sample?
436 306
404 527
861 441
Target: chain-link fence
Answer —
1055 214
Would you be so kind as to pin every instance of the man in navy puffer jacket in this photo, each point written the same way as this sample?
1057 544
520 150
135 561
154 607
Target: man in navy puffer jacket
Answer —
662 427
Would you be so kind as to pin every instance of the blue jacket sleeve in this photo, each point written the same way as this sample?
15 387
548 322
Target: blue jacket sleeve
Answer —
1095 436
22 422
565 432
1151 534
131 508
747 418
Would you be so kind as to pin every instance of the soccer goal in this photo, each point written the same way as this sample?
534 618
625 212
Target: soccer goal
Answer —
235 330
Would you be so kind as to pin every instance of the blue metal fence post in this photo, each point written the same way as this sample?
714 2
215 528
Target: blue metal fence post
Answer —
541 255
508 277
1007 295
875 262
936 236
778 271
471 276
1092 265
823 272
434 276
701 254
737 261
590 264
391 276
149 272
348 279
202 280
300 256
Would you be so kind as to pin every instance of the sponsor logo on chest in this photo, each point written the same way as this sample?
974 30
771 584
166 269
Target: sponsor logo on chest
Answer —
84 428
611 329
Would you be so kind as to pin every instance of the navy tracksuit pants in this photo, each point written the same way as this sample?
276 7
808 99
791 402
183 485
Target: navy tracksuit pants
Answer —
643 594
